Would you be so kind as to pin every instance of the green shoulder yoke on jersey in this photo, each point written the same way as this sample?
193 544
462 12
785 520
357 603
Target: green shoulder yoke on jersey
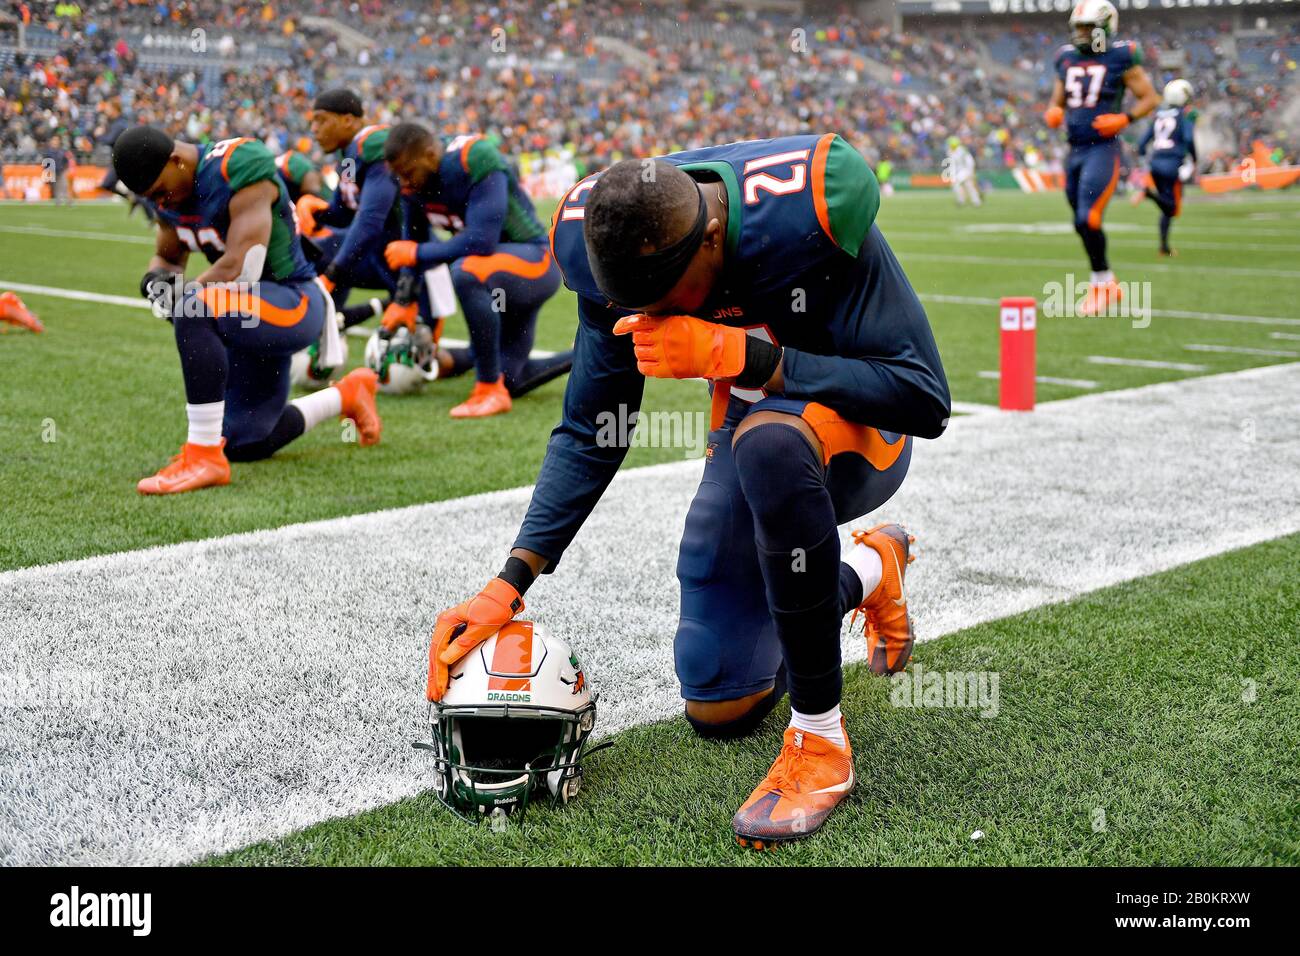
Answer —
245 162
370 144
845 193
481 157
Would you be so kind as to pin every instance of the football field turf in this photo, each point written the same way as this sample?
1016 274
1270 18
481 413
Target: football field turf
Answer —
1130 702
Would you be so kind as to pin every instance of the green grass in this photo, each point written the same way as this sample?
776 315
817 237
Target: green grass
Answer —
104 382
1168 704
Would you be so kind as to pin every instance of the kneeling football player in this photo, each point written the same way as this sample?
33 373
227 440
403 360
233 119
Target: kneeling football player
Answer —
240 320
757 266
501 268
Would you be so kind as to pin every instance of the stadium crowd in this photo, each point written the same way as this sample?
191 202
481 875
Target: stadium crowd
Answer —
598 79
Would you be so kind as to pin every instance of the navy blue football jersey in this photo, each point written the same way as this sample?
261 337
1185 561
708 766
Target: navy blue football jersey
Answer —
1094 84
1171 136
203 219
466 161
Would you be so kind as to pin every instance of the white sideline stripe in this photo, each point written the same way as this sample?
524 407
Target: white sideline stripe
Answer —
76 234
973 408
1288 336
194 698
1145 363
1067 233
1159 313
134 303
1046 379
1241 350
130 302
1020 263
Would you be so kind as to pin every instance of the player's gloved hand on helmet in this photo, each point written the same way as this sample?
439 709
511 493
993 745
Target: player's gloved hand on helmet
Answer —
682 346
307 207
397 315
401 254
1054 117
159 287
464 627
1110 124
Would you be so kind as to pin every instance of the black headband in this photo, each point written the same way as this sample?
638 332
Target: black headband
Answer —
338 101
648 278
140 155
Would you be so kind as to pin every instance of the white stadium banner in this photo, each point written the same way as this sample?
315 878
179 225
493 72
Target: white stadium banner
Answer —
1019 7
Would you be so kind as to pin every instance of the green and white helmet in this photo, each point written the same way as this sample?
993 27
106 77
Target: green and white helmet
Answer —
306 371
513 724
1090 16
403 360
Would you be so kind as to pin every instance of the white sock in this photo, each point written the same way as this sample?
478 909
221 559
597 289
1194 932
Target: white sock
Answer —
865 560
825 725
1102 278
318 406
205 422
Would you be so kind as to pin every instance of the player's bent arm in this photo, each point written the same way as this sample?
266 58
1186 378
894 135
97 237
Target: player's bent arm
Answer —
1139 83
1058 94
250 225
367 229
169 252
888 374
312 184
485 213
601 402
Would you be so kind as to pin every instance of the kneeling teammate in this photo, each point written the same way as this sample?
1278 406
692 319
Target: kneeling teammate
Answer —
243 317
501 267
1172 140
755 265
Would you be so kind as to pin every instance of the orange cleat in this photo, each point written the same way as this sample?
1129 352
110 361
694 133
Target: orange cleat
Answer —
358 391
1100 298
13 311
808 780
487 398
197 466
889 626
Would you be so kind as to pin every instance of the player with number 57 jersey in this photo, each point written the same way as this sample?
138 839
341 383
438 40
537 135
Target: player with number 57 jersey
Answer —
1093 72
758 267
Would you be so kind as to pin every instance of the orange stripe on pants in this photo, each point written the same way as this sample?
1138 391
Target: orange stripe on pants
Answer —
481 267
223 300
1099 207
840 435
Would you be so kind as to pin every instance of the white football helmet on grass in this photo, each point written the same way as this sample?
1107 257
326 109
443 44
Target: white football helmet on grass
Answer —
404 360
513 724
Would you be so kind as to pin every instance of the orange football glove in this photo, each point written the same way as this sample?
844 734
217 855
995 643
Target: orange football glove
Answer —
464 627
682 346
1054 116
400 254
396 315
307 207
1110 124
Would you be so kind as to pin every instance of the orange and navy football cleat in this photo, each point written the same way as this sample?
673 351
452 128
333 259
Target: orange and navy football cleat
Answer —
358 391
889 626
810 777
13 311
197 466
1100 297
487 398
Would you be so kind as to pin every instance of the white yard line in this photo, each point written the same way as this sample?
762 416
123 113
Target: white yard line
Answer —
1045 379
1145 363
1020 263
1158 313
1241 350
166 704
1287 336
79 234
